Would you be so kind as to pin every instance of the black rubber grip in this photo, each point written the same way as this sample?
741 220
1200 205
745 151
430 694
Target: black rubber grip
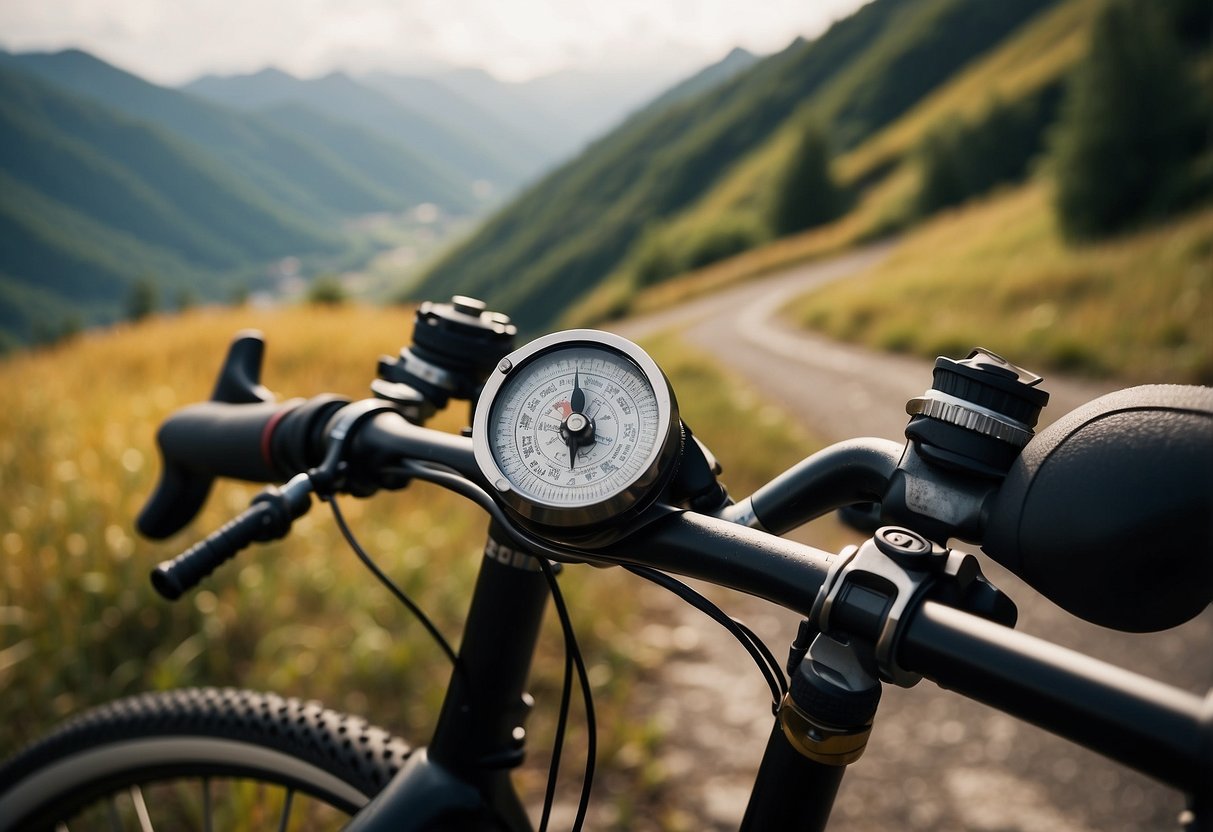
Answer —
173 578
223 440
1109 511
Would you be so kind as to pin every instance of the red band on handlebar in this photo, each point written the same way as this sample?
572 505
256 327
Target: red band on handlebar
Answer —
267 434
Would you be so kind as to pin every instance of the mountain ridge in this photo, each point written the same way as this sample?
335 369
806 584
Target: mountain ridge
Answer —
299 177
338 95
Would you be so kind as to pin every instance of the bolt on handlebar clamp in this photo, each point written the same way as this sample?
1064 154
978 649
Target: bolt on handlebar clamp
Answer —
835 688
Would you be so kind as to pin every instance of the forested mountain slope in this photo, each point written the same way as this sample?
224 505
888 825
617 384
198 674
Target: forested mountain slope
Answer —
93 201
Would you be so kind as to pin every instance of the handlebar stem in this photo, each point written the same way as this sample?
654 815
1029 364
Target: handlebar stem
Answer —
938 502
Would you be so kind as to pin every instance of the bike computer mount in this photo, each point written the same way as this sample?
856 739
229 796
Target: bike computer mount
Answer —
455 347
978 414
964 434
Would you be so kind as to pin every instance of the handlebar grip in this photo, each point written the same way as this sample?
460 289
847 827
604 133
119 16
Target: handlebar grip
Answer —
173 578
268 518
1109 511
204 441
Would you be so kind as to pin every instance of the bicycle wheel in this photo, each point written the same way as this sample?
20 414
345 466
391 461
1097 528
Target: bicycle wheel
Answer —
199 758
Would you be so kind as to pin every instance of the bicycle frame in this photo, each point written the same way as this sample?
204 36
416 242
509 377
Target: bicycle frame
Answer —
461 780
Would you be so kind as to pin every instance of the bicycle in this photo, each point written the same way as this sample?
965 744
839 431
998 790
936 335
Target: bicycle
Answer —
1116 496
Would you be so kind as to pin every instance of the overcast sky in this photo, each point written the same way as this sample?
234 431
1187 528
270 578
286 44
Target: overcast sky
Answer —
170 41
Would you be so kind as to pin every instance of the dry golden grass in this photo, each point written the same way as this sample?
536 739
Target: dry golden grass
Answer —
80 624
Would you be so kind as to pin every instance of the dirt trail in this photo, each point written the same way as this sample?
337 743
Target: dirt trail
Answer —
936 760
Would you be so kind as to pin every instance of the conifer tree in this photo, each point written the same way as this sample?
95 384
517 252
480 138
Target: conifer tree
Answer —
142 300
808 195
1130 125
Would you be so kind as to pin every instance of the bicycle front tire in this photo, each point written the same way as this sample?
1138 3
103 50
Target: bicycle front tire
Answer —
203 734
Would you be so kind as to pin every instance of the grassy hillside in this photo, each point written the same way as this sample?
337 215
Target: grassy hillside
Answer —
1136 307
710 77
446 107
79 623
137 179
59 263
537 121
564 236
392 166
110 182
92 202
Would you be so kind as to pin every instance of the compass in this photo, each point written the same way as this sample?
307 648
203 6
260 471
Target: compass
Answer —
576 429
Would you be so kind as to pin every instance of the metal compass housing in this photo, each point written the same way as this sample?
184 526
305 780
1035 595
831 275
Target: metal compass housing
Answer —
576 429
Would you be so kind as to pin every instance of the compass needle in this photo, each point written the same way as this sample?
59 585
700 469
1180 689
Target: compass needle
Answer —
577 400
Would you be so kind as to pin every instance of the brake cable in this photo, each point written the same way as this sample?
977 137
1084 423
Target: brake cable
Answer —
758 650
393 588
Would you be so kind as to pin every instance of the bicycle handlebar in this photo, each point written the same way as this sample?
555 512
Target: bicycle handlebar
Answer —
1112 711
1107 512
260 442
1141 723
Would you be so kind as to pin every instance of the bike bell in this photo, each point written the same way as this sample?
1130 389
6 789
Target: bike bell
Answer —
978 415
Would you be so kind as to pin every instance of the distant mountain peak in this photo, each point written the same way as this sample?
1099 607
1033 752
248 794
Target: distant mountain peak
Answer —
273 73
72 53
265 75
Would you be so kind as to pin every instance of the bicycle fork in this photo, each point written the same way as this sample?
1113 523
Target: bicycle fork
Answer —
461 781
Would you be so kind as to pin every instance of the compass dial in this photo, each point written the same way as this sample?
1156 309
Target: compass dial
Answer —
576 428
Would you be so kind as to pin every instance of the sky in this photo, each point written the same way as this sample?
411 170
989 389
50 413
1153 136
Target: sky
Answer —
173 41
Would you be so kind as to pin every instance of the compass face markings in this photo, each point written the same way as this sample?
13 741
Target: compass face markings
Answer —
526 421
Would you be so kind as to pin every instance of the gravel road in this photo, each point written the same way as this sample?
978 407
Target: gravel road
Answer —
935 760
